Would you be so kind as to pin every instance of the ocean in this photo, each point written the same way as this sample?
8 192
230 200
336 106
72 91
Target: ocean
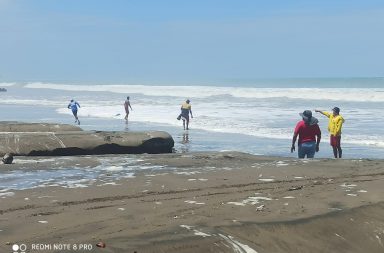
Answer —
253 116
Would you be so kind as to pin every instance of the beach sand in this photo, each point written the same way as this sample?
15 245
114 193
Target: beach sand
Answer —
207 202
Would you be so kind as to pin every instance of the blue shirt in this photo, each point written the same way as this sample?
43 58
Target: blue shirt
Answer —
73 105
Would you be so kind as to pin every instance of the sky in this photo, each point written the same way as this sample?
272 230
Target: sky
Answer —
175 41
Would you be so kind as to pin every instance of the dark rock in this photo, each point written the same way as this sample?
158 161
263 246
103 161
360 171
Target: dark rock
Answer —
8 158
41 141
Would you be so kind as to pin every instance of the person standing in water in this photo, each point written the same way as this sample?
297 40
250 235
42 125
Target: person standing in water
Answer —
186 109
309 135
73 106
334 127
127 105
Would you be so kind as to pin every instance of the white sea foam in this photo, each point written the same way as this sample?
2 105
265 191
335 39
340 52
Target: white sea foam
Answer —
6 84
336 94
7 194
236 203
237 246
114 168
346 185
194 202
186 226
250 200
187 173
109 183
267 179
281 163
199 233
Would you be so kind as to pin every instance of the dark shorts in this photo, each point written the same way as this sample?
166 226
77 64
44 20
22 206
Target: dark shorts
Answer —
74 112
184 114
335 141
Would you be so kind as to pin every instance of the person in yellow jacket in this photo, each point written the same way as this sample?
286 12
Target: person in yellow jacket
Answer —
334 127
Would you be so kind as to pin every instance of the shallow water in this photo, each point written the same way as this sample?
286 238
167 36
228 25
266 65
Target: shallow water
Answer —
244 118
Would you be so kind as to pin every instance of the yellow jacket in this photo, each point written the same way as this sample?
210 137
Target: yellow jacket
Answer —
186 106
335 123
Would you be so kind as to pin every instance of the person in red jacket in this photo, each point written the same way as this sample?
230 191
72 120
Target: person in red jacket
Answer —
309 135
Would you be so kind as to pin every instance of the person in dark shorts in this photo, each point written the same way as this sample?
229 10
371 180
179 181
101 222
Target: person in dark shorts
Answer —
73 106
334 127
309 135
186 109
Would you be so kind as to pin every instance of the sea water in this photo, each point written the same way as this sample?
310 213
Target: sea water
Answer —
254 116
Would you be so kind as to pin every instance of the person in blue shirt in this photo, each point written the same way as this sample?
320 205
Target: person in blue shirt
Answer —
73 106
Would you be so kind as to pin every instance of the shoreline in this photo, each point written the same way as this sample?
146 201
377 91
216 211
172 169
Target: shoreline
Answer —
208 202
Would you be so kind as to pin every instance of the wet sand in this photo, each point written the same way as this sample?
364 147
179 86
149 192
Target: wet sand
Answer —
208 202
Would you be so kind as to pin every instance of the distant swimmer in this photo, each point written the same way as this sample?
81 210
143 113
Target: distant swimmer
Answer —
186 109
73 106
127 105
309 136
334 127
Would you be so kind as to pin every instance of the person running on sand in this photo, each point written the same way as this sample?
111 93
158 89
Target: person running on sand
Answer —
334 127
73 106
307 130
185 111
127 105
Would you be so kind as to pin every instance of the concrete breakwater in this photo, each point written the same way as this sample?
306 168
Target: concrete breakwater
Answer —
35 139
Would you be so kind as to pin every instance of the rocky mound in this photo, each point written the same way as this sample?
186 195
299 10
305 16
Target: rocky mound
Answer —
59 139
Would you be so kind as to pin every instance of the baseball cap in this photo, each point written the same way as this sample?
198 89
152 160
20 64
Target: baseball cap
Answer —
336 110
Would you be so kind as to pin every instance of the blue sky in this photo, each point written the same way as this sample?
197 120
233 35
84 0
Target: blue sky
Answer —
175 41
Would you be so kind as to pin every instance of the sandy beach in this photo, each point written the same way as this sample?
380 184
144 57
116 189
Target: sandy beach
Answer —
203 202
